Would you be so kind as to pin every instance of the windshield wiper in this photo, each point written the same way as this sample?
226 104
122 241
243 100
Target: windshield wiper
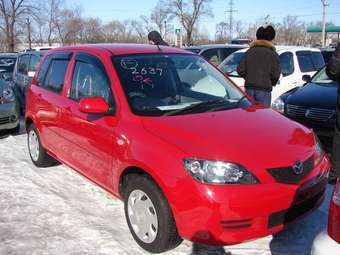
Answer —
197 106
228 106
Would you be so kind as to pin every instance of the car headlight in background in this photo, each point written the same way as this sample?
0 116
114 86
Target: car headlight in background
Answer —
218 172
8 95
278 105
319 152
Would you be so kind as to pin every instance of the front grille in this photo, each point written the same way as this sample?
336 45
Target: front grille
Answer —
316 114
5 120
294 212
288 176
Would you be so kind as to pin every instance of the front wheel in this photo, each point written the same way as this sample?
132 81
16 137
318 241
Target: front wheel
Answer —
37 152
149 216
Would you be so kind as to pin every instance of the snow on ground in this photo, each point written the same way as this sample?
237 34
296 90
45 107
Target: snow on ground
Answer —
56 211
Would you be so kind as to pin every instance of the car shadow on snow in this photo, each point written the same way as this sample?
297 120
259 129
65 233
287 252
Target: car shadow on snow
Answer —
298 238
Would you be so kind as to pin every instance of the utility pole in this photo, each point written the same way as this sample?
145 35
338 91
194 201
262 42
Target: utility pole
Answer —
231 17
29 33
325 4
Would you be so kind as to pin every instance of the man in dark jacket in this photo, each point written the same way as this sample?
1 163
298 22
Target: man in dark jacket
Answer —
333 71
261 66
156 38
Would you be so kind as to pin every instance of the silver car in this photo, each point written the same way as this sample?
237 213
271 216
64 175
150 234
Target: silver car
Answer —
9 108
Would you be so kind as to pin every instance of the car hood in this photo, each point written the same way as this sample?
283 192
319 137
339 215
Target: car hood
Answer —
254 137
315 95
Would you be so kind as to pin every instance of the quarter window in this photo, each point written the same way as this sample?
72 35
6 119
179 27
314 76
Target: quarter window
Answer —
287 63
89 81
56 75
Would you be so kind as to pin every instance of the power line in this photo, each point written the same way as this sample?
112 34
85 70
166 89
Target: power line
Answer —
231 11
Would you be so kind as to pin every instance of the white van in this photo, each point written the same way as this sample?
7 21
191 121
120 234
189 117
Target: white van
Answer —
295 62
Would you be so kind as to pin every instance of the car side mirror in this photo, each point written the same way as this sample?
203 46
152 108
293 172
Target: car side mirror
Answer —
93 105
31 74
306 78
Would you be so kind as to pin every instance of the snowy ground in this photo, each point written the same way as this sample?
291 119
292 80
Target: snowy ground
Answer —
56 211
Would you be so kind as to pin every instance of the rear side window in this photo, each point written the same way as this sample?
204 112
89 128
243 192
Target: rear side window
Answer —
23 64
287 63
89 81
34 61
43 70
310 61
55 75
211 55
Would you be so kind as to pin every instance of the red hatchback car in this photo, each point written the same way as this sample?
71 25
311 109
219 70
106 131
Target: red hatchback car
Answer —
162 129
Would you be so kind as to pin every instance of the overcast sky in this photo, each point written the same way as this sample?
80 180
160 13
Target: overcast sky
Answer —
247 10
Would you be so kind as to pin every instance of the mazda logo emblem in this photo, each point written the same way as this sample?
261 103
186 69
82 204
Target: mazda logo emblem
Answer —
298 168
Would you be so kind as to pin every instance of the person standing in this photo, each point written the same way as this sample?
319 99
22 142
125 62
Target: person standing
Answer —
333 72
260 66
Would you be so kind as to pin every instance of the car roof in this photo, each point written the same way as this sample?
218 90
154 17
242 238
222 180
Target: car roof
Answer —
34 52
213 46
125 48
281 49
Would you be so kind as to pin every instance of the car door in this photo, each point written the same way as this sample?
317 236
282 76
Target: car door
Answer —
48 98
20 78
89 137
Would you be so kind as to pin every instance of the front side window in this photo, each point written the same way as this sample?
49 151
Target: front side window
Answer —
55 75
287 63
310 61
90 81
173 84
23 62
230 64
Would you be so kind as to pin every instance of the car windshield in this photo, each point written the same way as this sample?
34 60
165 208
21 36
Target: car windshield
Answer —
175 84
322 78
7 63
230 64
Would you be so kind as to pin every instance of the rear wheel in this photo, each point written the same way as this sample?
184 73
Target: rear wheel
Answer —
149 216
37 152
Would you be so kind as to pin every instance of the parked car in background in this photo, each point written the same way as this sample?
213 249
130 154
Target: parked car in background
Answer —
295 62
9 108
328 242
173 143
215 53
241 41
313 105
327 53
24 70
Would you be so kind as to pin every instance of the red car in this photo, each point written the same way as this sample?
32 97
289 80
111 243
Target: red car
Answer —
328 242
163 130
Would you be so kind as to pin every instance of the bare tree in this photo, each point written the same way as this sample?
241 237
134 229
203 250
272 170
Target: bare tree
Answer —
161 16
54 9
12 14
222 30
92 31
189 12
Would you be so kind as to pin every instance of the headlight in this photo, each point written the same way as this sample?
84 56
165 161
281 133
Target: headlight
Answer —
8 95
319 152
278 105
218 172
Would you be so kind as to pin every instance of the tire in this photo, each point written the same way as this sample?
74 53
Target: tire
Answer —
162 234
37 152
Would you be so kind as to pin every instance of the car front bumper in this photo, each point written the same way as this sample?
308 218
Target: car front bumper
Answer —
324 245
227 215
9 115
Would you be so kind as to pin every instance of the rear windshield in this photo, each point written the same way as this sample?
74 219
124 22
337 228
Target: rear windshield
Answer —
310 61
